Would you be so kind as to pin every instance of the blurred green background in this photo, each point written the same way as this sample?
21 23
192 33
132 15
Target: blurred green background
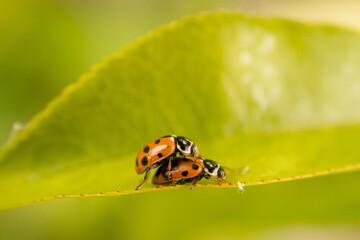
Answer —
48 44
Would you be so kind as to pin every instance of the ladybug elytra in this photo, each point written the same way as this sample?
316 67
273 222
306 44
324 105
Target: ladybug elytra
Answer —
161 151
189 169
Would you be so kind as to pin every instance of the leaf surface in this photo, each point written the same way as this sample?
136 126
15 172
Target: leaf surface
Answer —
278 97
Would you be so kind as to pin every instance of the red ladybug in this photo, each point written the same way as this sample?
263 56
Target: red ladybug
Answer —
161 151
189 169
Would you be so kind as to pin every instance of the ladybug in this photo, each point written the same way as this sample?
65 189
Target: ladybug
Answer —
161 151
189 169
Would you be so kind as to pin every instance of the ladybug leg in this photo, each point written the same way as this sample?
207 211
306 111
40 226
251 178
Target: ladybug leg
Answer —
169 169
221 181
218 180
196 180
142 183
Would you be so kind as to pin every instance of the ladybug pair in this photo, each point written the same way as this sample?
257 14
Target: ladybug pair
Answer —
162 153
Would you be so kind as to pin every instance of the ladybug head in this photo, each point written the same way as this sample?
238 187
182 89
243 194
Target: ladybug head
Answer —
212 168
186 146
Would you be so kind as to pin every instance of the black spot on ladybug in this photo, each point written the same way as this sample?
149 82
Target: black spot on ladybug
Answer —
146 149
184 173
185 160
137 162
157 141
195 167
144 161
160 155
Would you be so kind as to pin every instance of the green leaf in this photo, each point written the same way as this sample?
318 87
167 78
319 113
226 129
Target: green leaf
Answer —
40 38
326 203
278 97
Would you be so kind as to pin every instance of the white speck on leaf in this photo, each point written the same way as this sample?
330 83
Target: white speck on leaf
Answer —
240 186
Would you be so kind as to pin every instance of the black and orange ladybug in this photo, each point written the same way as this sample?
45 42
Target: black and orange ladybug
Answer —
189 169
161 151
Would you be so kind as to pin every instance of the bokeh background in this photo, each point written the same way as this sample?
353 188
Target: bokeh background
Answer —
47 44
